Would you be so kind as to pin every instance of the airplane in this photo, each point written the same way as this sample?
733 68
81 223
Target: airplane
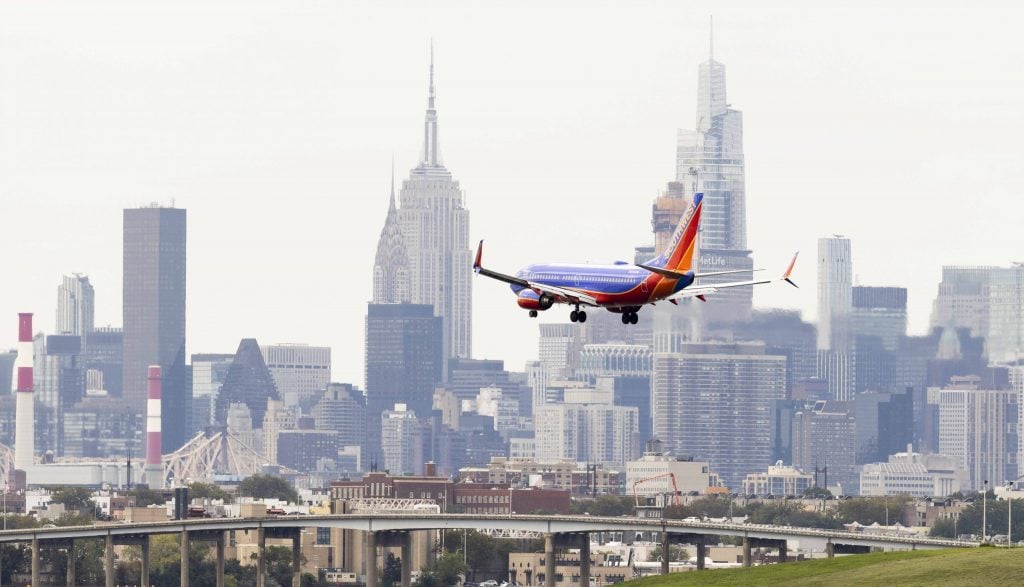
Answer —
623 288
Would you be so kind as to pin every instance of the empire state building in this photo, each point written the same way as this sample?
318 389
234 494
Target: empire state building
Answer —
426 258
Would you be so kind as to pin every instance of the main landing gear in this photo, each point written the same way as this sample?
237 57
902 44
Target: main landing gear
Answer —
533 313
578 315
630 317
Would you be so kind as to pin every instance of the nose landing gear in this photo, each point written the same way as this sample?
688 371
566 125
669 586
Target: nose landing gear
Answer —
630 317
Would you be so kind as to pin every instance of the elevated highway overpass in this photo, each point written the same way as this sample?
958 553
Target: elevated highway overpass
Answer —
393 530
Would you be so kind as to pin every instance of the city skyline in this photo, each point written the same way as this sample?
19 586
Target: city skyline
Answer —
303 196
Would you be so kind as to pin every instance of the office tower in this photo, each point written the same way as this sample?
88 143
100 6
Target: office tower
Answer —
1016 383
632 360
884 424
401 441
240 425
434 226
980 427
558 351
154 314
276 419
835 293
784 332
835 303
1005 339
59 384
825 436
209 371
466 377
342 407
248 382
307 451
404 363
301 372
391 276
587 429
963 299
627 368
7 371
879 312
76 305
709 159
103 427
103 351
715 401
913 473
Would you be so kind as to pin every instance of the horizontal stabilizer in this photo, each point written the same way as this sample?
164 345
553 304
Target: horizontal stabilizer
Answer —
731 272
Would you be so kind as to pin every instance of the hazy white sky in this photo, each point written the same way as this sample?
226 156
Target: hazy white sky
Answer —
274 124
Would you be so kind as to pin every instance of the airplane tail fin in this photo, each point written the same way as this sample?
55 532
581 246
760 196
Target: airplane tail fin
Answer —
679 255
789 271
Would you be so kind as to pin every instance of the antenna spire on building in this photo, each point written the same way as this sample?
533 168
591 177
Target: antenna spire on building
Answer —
431 101
391 206
430 151
711 38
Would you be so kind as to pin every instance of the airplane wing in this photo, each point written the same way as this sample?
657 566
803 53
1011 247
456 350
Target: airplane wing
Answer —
699 291
703 290
681 275
561 294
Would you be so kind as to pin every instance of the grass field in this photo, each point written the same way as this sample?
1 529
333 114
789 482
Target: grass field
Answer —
993 567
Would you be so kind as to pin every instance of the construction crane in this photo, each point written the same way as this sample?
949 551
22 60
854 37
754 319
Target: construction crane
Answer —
675 488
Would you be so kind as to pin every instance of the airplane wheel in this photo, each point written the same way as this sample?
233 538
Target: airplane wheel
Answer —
634 318
625 318
574 316
533 313
582 316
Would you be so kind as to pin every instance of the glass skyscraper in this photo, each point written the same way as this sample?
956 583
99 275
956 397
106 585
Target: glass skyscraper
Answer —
154 314
709 159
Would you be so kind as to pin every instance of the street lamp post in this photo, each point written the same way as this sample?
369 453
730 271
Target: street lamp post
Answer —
984 514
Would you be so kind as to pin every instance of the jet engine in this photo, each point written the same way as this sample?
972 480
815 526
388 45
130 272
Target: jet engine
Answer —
531 300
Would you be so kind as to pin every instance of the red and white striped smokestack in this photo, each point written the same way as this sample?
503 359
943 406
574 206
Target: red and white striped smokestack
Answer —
24 434
154 462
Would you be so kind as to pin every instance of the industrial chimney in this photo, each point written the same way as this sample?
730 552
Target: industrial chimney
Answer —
24 433
154 463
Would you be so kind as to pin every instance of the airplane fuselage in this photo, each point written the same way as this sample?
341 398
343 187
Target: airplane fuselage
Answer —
617 286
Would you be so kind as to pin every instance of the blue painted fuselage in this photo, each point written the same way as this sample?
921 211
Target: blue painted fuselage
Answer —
620 285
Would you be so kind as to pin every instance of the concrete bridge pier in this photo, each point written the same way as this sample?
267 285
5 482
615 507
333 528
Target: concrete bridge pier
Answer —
220 560
297 558
145 560
261 557
35 561
370 558
746 551
71 563
666 546
108 560
584 559
783 551
702 552
549 559
406 559
830 549
184 557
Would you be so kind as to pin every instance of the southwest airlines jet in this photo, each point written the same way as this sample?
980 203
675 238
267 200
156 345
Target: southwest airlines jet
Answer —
622 288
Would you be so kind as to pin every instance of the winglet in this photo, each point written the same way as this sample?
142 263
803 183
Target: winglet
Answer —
479 256
789 271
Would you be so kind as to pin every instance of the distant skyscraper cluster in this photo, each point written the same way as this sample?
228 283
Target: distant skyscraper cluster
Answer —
720 395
